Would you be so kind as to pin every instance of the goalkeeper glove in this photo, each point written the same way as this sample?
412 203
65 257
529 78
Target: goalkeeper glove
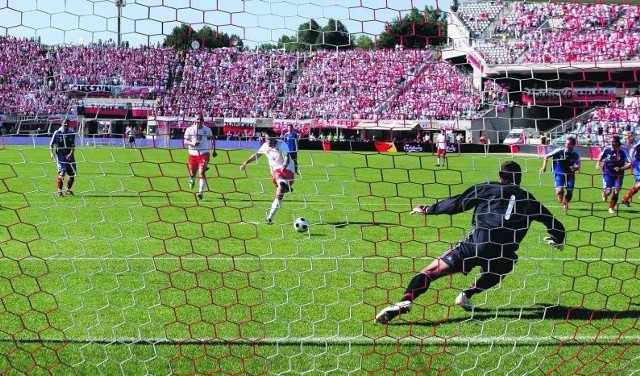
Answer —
420 209
553 242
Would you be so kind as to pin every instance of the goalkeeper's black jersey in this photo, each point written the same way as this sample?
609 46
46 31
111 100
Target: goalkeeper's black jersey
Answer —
502 216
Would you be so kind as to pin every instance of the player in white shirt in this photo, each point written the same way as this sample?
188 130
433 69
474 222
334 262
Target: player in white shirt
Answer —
441 149
281 167
200 142
130 136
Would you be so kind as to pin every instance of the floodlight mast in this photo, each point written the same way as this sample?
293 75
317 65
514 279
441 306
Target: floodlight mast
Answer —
119 5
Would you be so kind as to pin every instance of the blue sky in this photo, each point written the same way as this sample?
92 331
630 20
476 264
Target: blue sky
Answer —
147 21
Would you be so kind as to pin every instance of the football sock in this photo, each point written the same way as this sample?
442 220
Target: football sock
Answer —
614 199
560 194
630 194
275 205
484 282
568 196
203 183
59 183
70 181
418 286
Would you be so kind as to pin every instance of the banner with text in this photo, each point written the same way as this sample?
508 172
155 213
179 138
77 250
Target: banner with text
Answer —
568 95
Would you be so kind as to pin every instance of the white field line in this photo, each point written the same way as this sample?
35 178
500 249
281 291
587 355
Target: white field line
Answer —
356 340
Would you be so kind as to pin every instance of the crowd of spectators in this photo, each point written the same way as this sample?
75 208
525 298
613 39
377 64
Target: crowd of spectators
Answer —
599 45
354 84
440 92
24 73
614 119
229 83
106 64
398 83
478 16
238 131
38 80
363 84
495 94
541 33
524 17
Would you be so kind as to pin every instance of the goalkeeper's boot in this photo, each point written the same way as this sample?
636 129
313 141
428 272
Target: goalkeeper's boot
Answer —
464 302
393 311
554 242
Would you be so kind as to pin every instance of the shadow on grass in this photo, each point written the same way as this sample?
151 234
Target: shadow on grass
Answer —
538 312
350 223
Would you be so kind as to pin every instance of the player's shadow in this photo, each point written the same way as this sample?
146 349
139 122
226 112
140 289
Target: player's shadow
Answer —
356 223
537 312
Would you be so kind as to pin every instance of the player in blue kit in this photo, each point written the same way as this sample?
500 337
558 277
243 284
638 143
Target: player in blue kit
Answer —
502 215
566 162
634 165
62 146
291 139
611 160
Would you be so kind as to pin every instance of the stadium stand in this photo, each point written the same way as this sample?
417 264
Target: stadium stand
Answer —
40 80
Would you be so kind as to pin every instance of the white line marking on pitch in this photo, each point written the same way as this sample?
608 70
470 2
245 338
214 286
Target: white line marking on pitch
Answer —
363 340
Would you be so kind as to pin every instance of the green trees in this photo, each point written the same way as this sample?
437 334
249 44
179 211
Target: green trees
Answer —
183 36
416 29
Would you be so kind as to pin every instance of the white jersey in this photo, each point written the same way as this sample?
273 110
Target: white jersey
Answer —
441 141
277 155
203 134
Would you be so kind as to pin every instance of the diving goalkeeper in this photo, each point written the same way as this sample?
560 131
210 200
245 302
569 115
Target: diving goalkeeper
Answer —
503 213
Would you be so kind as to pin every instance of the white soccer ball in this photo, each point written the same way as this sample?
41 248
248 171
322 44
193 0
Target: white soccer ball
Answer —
301 224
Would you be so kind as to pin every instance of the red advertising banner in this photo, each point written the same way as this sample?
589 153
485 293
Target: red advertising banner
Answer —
334 123
300 126
385 147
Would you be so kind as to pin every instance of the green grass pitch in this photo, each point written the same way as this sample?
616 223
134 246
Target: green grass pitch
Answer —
134 276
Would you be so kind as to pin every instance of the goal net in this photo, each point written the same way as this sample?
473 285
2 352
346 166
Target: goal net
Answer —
131 268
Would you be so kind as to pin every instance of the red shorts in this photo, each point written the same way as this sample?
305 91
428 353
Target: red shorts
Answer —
198 161
282 174
441 152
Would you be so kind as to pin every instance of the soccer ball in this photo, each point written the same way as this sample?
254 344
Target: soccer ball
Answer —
301 224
